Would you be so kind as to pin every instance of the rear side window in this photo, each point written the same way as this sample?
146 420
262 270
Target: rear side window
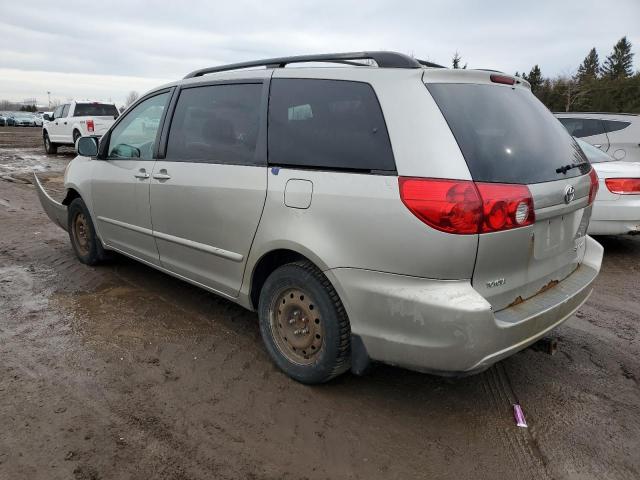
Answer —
506 135
95 110
583 127
614 125
216 124
65 110
330 124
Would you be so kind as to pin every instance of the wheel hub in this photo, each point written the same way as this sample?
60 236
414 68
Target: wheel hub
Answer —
297 326
81 233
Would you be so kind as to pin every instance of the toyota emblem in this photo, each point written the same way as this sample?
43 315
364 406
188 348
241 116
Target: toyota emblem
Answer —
569 194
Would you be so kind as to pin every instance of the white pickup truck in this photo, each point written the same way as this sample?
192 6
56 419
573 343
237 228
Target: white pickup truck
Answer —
74 120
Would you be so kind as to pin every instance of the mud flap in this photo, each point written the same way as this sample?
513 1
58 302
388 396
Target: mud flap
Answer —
54 210
360 361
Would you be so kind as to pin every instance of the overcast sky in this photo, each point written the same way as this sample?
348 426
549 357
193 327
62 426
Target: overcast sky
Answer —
102 50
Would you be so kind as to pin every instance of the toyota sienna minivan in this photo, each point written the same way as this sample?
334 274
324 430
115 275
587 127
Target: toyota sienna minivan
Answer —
368 206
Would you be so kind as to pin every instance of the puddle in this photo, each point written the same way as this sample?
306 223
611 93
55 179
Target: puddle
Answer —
16 161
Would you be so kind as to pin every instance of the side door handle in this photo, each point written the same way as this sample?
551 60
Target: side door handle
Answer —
597 145
162 175
142 173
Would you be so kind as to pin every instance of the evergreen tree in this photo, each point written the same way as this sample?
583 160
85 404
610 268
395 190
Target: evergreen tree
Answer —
620 63
589 69
534 78
455 61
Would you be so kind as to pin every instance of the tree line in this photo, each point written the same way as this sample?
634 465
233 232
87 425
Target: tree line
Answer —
610 86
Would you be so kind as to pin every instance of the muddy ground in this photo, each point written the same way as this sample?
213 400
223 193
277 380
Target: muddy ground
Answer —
122 372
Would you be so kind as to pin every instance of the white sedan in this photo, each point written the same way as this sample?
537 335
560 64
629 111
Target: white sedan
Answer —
617 207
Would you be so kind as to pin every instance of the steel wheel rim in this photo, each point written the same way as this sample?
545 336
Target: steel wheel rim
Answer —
296 326
81 234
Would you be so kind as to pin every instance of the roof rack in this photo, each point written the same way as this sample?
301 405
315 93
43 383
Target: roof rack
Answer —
382 59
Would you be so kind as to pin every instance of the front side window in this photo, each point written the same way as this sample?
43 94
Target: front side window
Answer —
331 124
65 110
135 135
582 127
216 124
57 113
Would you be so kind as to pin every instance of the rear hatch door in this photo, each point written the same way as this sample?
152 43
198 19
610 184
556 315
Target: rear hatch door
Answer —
507 136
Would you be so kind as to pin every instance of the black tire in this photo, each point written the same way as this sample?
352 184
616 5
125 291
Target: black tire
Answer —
76 136
86 244
49 148
333 356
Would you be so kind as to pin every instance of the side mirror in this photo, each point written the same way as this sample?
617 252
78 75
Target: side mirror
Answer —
47 117
87 146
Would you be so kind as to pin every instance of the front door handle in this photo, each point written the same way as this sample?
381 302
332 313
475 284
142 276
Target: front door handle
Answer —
162 175
142 173
597 145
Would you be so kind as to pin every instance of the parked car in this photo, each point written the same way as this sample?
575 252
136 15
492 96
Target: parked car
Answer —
38 119
616 134
428 218
3 119
22 119
616 210
72 120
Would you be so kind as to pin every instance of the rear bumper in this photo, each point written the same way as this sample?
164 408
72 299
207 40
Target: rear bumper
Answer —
446 327
616 217
56 212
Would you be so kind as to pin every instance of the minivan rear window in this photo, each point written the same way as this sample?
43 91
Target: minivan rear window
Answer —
327 124
506 134
95 110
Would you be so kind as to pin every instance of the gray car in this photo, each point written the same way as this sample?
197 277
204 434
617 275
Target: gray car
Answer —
381 210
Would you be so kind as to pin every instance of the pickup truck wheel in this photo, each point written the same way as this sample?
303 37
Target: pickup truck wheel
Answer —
85 242
304 324
76 136
50 148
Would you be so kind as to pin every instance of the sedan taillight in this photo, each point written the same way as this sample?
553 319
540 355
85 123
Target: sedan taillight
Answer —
467 207
623 186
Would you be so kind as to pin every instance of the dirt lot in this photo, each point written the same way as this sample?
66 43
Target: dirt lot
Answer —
121 372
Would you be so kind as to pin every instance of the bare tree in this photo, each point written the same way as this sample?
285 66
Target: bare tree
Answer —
131 97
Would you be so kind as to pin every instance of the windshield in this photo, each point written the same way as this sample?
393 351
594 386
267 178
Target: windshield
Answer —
95 110
594 155
506 135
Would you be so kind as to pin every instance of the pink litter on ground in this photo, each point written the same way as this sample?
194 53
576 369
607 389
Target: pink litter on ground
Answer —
519 416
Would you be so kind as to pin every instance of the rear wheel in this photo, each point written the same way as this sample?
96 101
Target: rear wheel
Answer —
304 324
49 147
85 242
76 136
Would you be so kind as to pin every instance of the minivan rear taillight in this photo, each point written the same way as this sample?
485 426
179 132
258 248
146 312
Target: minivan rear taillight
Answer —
90 126
623 186
593 189
466 207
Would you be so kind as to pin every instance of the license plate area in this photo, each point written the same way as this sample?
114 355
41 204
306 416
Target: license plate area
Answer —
557 235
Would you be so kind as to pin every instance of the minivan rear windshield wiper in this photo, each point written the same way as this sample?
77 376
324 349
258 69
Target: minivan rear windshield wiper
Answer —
566 168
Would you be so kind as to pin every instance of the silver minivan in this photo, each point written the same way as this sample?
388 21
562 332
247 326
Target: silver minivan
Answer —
369 206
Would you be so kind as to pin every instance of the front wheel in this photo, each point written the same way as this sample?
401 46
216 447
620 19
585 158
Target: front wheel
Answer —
49 148
304 324
85 242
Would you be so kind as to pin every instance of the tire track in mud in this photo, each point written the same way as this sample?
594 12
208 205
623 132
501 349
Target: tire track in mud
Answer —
521 444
